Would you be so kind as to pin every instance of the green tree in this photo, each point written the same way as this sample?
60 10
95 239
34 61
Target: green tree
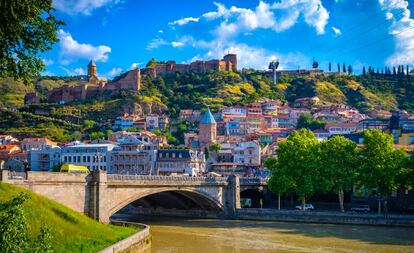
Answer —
296 167
338 162
279 183
27 29
381 163
215 148
14 235
206 153
406 176
308 122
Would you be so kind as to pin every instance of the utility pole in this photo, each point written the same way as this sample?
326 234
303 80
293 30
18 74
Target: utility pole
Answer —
273 65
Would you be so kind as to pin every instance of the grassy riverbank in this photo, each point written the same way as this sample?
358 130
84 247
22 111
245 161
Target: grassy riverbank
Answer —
72 231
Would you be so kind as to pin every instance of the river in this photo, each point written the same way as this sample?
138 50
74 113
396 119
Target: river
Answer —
171 235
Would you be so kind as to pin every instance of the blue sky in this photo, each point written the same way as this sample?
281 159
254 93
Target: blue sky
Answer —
123 34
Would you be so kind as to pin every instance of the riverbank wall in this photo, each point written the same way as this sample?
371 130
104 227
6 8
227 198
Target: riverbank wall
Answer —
137 242
280 215
321 217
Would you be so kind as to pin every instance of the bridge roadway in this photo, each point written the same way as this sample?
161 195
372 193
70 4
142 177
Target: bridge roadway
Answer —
100 195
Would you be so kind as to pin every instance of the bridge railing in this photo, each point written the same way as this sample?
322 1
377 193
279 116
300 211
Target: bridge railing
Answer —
143 178
253 180
13 175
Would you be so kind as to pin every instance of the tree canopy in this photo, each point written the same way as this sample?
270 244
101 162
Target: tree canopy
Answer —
308 122
28 27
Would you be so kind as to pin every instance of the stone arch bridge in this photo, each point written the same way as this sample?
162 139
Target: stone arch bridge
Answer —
100 195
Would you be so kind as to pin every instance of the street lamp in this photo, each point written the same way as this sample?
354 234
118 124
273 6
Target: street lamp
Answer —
273 65
98 157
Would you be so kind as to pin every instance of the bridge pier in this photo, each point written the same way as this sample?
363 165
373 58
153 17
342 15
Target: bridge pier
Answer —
232 195
98 196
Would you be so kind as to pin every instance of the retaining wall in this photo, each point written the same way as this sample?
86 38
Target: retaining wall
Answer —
137 242
321 217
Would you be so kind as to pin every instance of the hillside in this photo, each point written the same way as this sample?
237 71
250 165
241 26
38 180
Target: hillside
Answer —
71 231
170 94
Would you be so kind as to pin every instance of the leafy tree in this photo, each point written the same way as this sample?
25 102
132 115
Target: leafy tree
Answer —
97 135
330 67
308 122
349 69
344 67
279 182
406 177
206 153
296 166
364 72
381 163
27 29
14 235
339 68
339 163
215 147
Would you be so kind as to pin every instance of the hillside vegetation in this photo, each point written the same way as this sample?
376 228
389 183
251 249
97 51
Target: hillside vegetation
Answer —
71 231
169 94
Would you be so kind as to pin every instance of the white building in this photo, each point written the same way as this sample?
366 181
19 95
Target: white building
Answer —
93 156
134 156
341 128
234 111
247 153
44 159
180 161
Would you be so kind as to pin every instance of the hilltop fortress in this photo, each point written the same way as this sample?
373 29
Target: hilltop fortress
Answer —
228 63
93 86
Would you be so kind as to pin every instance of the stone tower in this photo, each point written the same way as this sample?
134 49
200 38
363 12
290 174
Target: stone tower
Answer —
207 129
92 74
233 59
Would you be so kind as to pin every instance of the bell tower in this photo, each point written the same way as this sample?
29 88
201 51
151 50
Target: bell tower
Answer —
207 129
92 74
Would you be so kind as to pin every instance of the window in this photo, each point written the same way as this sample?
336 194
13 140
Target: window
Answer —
84 159
89 159
65 159
411 140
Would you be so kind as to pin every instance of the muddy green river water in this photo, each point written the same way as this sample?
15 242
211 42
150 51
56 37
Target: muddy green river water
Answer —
217 236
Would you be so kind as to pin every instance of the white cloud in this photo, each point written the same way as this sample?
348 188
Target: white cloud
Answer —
74 72
71 50
313 12
278 16
250 57
156 43
47 73
184 21
48 61
135 65
113 72
160 31
85 7
336 31
401 29
177 44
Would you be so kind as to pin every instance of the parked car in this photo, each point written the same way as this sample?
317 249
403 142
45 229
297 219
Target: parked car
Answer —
306 207
361 209
245 202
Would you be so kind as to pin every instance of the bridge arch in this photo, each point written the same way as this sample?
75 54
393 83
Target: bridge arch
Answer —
196 195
